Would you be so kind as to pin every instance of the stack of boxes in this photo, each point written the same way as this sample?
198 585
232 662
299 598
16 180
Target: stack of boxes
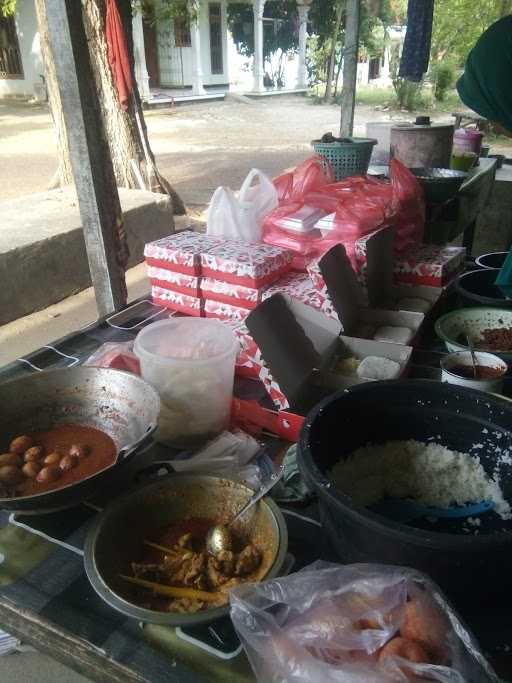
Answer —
203 276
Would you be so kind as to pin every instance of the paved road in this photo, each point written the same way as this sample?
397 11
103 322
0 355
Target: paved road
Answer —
197 146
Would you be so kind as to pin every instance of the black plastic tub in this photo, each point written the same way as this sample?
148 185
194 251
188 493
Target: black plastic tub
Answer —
467 567
494 259
477 288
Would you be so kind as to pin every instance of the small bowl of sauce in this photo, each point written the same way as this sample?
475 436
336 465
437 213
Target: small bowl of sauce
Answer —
487 374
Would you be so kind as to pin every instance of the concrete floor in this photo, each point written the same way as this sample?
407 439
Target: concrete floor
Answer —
35 667
197 146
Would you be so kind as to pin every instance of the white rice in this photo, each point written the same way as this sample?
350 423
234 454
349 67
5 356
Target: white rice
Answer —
430 474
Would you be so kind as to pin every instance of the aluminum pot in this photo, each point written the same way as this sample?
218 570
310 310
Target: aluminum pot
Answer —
120 404
116 536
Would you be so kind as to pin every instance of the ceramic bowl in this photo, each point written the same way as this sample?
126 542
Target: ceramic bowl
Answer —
463 358
453 326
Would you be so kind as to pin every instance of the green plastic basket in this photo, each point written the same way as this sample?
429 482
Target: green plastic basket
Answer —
346 158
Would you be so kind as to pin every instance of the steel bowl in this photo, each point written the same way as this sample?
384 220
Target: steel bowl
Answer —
117 535
120 404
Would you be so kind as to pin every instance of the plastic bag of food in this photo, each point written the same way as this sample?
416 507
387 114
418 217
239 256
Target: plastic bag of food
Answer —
360 623
312 174
408 207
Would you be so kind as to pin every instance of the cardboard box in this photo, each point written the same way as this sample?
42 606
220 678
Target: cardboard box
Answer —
230 293
429 264
299 286
346 300
180 252
250 265
218 309
177 282
300 347
189 305
431 295
374 257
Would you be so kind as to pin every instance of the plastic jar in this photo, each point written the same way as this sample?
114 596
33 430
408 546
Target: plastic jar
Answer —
467 140
191 363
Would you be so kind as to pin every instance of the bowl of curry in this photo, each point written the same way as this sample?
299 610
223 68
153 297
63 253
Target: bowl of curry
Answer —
145 554
64 432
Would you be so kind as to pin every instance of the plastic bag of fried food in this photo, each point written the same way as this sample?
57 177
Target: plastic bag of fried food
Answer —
360 623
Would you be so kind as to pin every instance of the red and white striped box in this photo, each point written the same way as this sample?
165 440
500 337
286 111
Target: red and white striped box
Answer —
250 265
218 309
300 286
177 282
180 252
429 264
230 293
245 367
189 305
318 281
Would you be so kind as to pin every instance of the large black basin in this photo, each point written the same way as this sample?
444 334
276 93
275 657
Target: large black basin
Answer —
467 567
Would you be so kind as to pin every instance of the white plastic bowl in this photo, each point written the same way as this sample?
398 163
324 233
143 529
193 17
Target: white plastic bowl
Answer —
492 384
191 363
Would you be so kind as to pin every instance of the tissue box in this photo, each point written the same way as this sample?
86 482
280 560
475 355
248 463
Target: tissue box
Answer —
299 286
230 293
218 309
180 252
429 264
178 282
250 265
189 305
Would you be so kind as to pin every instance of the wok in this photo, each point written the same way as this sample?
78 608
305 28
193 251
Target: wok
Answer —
120 404
116 537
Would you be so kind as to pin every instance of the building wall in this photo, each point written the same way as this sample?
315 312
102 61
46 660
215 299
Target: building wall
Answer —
177 63
28 37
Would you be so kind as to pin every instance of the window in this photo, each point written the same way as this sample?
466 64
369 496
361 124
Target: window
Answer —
215 13
10 57
182 32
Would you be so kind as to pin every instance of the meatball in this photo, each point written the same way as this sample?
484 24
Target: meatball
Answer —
31 469
21 444
10 459
68 462
49 474
33 454
79 450
10 474
52 458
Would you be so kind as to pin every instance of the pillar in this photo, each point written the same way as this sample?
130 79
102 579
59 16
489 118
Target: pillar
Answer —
139 53
195 44
259 64
303 9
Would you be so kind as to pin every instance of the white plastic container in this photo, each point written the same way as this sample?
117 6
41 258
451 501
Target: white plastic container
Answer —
463 358
191 363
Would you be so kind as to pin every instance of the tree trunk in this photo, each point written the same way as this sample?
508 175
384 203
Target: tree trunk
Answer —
126 130
332 59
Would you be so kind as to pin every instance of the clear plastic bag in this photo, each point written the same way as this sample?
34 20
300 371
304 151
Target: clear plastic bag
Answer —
345 624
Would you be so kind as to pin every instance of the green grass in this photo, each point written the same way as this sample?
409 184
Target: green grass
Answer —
376 96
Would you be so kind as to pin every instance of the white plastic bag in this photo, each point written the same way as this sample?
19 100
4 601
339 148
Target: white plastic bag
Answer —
340 624
241 218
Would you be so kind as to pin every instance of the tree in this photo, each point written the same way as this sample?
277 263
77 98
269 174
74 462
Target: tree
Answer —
126 130
459 23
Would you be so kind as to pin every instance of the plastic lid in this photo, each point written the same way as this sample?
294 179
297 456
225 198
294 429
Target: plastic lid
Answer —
185 339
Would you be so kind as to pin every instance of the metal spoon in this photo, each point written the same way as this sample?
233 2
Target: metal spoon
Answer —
472 352
219 537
